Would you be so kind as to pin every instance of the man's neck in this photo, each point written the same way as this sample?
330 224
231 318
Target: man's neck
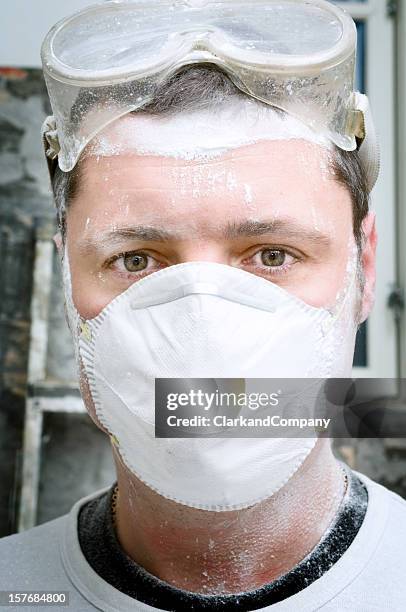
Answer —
229 552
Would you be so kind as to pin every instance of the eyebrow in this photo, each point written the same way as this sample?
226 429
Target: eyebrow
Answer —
116 237
143 232
285 227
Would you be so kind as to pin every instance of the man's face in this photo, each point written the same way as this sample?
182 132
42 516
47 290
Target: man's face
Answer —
272 208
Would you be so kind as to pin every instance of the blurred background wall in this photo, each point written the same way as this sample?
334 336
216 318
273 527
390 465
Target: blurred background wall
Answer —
75 457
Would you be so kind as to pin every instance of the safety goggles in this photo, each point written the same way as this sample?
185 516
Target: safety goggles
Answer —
297 55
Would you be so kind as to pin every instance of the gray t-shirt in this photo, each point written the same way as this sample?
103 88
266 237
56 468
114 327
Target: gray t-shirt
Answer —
371 574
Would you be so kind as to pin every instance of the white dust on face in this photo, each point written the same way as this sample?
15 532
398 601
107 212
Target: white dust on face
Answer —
203 137
201 134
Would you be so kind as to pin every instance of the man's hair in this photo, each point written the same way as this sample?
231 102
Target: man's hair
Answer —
202 86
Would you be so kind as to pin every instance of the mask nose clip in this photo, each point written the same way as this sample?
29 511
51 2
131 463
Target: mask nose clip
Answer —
204 288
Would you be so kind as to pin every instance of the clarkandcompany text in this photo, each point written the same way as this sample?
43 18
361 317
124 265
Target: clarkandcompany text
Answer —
242 421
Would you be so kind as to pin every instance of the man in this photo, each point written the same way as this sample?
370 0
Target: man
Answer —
205 233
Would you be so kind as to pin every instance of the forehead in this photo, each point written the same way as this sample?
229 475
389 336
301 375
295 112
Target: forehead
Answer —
282 176
195 154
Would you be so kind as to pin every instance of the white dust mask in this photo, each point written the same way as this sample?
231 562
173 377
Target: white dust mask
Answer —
207 320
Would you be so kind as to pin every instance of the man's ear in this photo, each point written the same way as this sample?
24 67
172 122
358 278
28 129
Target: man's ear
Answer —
58 241
368 262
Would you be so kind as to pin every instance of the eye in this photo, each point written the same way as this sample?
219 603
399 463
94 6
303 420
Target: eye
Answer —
131 265
271 260
273 257
135 262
